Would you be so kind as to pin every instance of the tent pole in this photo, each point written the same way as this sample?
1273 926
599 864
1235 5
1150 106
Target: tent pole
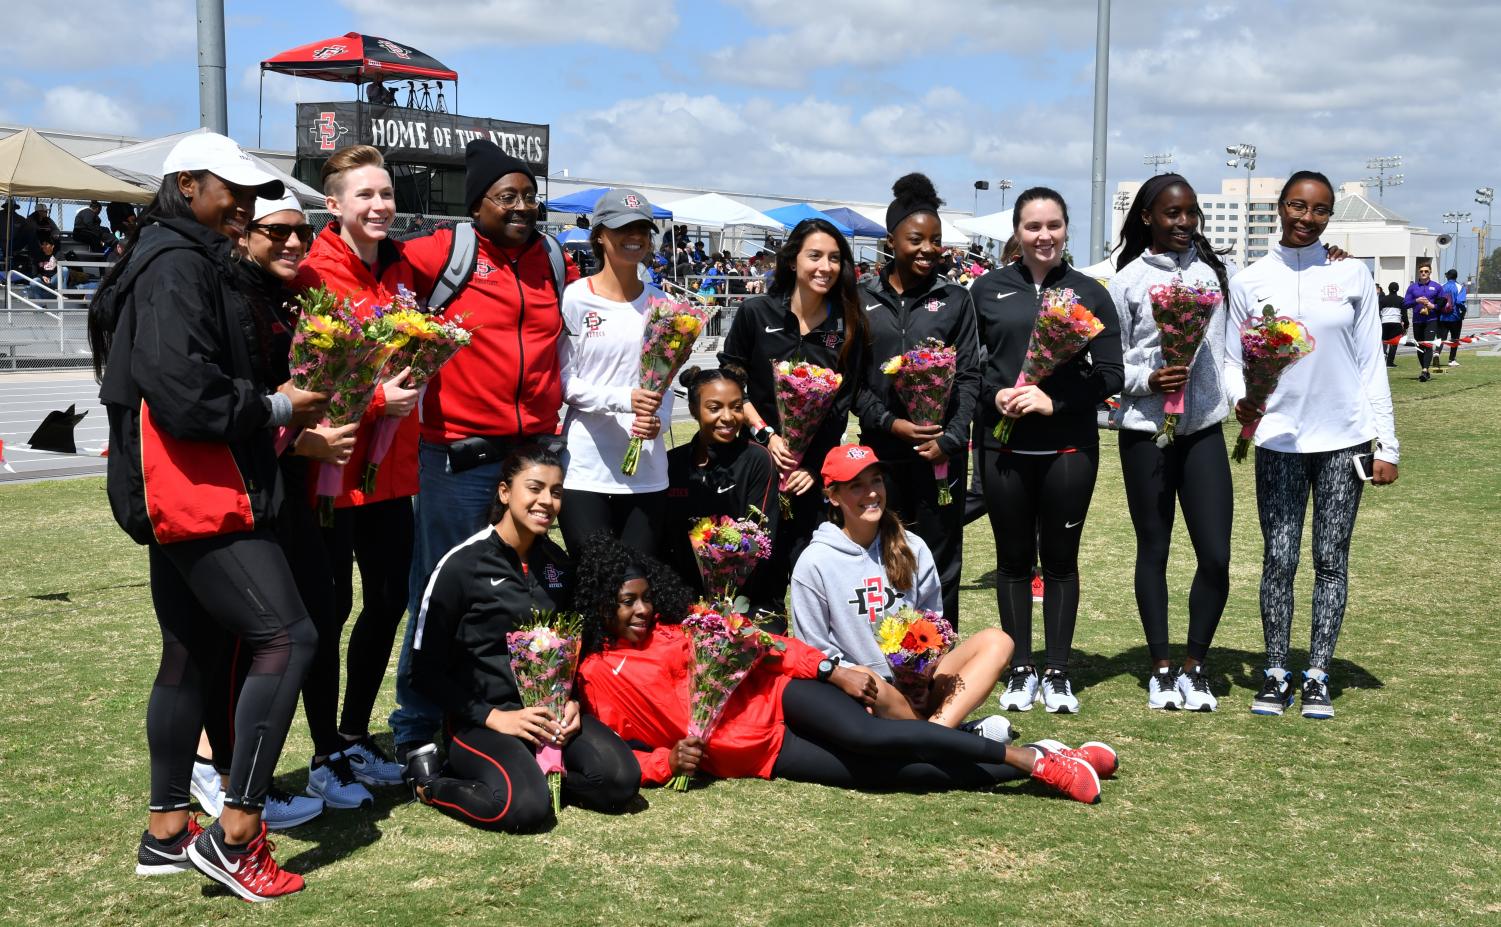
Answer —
260 109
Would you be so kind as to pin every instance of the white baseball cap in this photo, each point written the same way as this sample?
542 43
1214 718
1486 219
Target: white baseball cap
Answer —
265 207
218 154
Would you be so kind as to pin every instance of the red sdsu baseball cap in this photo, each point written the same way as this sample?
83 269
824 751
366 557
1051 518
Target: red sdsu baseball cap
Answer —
846 461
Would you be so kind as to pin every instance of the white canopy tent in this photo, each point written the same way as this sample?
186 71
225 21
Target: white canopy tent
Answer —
142 164
996 225
952 234
716 211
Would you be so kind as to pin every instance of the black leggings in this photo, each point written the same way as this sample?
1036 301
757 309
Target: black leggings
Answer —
1425 334
1037 505
830 740
635 519
1194 472
1390 330
912 493
1449 333
493 781
207 594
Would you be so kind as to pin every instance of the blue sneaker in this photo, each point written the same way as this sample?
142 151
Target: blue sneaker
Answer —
370 763
284 810
1316 701
1275 696
334 782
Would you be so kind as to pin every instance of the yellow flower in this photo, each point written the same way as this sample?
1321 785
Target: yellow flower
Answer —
699 533
674 343
320 341
685 325
890 633
892 366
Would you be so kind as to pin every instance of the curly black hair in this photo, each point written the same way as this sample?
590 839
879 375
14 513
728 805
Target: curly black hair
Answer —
601 569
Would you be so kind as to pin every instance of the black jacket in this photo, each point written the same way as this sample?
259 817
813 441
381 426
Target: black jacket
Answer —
765 330
1006 305
189 348
899 322
738 475
479 592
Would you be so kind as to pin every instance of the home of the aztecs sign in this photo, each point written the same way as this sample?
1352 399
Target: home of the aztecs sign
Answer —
417 135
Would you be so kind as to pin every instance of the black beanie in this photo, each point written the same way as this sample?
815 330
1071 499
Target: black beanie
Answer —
485 163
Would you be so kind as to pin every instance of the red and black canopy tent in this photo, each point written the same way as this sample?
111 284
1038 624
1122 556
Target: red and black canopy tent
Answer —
353 58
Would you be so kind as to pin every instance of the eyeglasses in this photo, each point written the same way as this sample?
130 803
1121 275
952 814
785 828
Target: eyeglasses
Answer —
509 200
280 231
1298 210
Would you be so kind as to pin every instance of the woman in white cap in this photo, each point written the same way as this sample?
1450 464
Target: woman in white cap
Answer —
194 403
604 316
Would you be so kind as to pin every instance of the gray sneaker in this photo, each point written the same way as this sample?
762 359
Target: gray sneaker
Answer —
1274 697
991 727
1316 701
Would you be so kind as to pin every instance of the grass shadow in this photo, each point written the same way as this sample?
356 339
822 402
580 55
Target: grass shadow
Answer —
1227 669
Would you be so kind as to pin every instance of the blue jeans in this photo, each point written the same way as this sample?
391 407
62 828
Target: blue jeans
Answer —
450 508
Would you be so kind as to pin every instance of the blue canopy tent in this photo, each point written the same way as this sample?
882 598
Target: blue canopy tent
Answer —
863 227
797 212
584 200
574 236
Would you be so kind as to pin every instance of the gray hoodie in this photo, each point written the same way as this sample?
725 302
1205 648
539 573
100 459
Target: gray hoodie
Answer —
840 594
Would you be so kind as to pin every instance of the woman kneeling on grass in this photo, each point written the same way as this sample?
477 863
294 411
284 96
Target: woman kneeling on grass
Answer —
480 591
862 566
797 715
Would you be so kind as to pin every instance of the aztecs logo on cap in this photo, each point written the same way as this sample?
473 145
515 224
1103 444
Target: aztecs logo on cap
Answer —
632 201
856 453
394 49
328 51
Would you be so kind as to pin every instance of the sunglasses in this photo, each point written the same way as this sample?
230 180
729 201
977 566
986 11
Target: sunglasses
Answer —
280 231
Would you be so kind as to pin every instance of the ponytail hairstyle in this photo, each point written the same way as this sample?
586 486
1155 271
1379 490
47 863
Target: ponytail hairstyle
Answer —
1136 234
1036 193
694 379
527 455
896 554
843 298
104 307
346 159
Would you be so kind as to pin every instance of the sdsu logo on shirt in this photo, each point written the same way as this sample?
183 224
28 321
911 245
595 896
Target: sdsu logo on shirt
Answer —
483 268
552 576
872 599
933 305
592 321
1332 293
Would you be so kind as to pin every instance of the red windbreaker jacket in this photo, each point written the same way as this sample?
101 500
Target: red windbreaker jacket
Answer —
641 693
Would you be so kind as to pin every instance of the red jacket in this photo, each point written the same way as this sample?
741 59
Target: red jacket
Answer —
641 693
506 382
333 264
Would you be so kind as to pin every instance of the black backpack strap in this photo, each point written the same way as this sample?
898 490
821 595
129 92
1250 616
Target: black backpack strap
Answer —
463 252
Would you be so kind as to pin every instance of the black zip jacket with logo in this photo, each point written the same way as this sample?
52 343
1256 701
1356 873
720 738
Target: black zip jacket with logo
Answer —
900 322
737 476
1006 307
478 593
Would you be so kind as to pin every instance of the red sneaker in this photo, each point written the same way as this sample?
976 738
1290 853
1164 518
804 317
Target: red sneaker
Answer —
163 857
1074 778
1100 757
1036 587
250 873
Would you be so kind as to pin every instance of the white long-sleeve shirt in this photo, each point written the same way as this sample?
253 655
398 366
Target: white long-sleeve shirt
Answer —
1338 396
600 360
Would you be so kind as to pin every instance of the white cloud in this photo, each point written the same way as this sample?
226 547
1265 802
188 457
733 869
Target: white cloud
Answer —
97 36
448 24
69 107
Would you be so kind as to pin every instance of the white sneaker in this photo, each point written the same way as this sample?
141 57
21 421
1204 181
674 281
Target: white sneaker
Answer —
990 727
1162 690
1193 687
334 782
284 810
1021 689
208 788
1058 694
1453 363
370 764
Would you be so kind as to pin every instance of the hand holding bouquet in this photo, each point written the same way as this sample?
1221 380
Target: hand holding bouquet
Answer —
913 642
544 659
1182 315
726 647
804 395
924 378
727 550
1268 346
1064 328
666 344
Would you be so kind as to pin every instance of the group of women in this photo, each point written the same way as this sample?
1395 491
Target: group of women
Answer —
214 444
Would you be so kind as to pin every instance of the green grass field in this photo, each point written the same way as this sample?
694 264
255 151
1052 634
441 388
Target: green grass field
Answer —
1386 815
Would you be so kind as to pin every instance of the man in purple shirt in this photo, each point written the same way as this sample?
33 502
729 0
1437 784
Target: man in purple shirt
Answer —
1422 303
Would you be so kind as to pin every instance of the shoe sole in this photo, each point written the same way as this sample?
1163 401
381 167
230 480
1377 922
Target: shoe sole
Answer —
1268 710
1167 706
1114 758
1318 714
223 878
1026 707
374 780
1060 709
342 806
161 869
1202 709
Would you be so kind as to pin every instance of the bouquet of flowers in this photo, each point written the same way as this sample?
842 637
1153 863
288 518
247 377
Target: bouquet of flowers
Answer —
544 659
417 340
727 549
331 354
726 647
924 379
666 344
913 642
1064 328
1182 315
804 394
1268 346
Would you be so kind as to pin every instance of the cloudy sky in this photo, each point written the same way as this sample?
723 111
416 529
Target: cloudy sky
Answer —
836 98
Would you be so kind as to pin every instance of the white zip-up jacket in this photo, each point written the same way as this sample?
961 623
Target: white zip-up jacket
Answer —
1338 396
599 357
1205 402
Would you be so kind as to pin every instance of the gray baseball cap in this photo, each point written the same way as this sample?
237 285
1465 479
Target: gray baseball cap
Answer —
620 207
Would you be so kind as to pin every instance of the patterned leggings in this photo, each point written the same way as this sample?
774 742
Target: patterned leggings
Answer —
1283 482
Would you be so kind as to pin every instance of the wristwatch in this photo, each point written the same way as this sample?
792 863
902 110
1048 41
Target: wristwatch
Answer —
826 668
763 434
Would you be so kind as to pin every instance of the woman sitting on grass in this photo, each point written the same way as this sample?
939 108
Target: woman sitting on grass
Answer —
797 715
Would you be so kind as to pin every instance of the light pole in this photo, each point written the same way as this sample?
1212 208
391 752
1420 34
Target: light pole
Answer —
1244 155
1155 161
1455 218
1381 166
1381 182
1003 186
1101 107
1484 196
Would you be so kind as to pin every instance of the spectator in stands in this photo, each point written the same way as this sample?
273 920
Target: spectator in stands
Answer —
699 256
18 245
46 268
41 220
1393 321
89 231
122 218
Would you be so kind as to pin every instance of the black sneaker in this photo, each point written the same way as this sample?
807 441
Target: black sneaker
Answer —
422 768
1316 702
1274 697
163 857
